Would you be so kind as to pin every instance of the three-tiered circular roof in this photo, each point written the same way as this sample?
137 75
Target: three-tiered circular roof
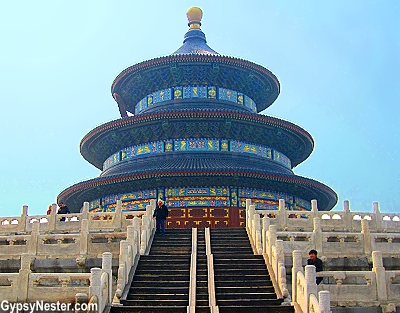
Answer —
194 66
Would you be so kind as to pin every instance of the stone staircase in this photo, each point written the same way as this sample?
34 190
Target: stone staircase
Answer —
242 281
161 280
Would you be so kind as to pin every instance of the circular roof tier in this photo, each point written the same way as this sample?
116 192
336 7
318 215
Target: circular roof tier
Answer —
186 160
176 173
290 139
139 80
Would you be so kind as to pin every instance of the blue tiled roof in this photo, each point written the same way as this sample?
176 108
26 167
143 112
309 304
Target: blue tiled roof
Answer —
195 43
197 161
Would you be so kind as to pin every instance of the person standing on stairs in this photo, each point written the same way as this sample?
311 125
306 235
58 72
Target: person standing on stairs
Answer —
161 214
317 262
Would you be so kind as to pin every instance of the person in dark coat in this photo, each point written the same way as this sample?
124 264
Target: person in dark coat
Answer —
314 260
63 209
161 214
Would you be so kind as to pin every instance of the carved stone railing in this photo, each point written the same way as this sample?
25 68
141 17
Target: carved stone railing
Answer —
53 223
137 243
85 242
353 288
320 305
345 221
100 290
47 287
348 288
95 286
82 244
305 292
393 285
129 256
266 244
263 235
9 286
327 242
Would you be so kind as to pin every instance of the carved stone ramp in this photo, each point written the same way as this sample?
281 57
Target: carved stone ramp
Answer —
242 281
161 280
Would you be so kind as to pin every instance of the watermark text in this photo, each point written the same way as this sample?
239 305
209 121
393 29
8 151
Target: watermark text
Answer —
19 307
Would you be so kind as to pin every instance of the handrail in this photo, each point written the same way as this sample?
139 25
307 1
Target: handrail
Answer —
193 272
210 271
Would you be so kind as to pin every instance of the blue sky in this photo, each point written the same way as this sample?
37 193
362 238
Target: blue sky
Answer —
338 63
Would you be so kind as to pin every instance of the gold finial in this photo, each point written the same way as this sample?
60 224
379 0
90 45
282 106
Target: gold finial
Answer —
194 15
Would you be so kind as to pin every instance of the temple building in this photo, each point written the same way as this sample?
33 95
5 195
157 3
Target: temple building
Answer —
191 133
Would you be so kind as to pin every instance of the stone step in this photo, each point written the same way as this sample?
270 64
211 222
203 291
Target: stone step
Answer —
156 302
240 277
202 284
172 244
183 268
229 236
237 268
238 230
161 277
229 241
150 309
157 289
234 260
248 302
178 231
256 309
232 252
241 267
171 247
184 251
250 289
172 237
244 295
202 293
202 296
230 247
237 263
202 300
159 296
203 308
161 283
243 283
233 256
164 265
155 257
202 274
240 270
